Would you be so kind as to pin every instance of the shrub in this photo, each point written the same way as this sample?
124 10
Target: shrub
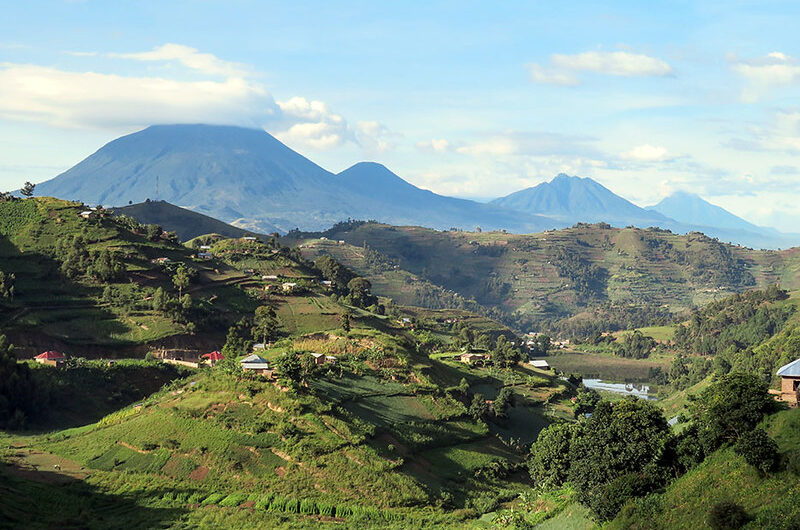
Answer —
214 498
727 516
758 450
607 500
792 460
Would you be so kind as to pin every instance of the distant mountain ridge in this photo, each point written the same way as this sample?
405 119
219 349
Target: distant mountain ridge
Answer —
575 199
186 223
247 178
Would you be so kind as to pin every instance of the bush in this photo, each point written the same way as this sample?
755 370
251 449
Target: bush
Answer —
607 500
792 461
727 516
758 450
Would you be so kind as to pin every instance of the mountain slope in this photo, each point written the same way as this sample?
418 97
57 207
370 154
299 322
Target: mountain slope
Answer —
248 178
692 209
186 223
576 199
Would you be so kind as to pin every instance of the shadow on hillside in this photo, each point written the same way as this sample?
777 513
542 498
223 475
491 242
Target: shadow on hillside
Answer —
43 291
31 500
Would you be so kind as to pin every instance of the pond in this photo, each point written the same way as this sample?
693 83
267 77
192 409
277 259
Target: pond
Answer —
628 389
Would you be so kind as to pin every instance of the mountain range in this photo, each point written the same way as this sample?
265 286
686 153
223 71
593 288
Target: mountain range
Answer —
248 178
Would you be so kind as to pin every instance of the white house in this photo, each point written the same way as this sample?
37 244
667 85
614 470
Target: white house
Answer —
540 364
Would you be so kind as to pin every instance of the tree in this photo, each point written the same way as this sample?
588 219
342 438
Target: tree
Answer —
181 279
758 450
294 368
238 341
504 399
549 460
27 189
7 287
346 322
18 399
478 409
154 232
586 401
729 408
628 436
359 289
265 323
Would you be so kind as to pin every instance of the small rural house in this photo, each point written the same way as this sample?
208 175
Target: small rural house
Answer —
321 358
288 287
205 255
161 260
790 382
52 358
256 364
259 346
326 283
205 247
249 238
269 277
540 364
87 214
470 358
212 358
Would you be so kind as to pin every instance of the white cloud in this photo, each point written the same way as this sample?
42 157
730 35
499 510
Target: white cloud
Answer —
647 153
551 76
373 136
109 101
439 145
780 134
189 57
762 73
311 123
89 99
563 67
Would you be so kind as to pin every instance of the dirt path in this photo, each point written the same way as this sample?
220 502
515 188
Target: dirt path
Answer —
39 466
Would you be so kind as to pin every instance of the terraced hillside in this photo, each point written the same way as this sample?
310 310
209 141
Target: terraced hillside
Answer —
583 271
86 285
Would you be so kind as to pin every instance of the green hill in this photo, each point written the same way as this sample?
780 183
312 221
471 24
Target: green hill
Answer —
770 502
575 280
186 223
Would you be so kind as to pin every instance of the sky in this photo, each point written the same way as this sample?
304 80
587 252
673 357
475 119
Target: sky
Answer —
470 99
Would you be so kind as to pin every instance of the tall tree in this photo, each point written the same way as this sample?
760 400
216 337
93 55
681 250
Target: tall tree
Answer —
27 189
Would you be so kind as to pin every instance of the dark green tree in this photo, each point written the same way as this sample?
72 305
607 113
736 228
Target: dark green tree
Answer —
27 189
238 341
478 409
729 408
758 450
550 456
265 323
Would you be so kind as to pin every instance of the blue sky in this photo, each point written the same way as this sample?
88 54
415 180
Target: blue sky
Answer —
474 99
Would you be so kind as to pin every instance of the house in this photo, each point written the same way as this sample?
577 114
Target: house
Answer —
87 214
540 364
790 382
341 241
259 346
470 358
404 322
256 364
269 277
205 247
249 238
288 287
51 358
326 283
321 358
205 255
161 260
212 358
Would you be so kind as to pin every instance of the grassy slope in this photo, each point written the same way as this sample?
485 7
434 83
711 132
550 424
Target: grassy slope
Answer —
518 272
186 223
50 310
772 502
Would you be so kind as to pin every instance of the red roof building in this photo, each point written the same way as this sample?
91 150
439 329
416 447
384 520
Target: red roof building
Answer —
53 358
213 357
50 356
